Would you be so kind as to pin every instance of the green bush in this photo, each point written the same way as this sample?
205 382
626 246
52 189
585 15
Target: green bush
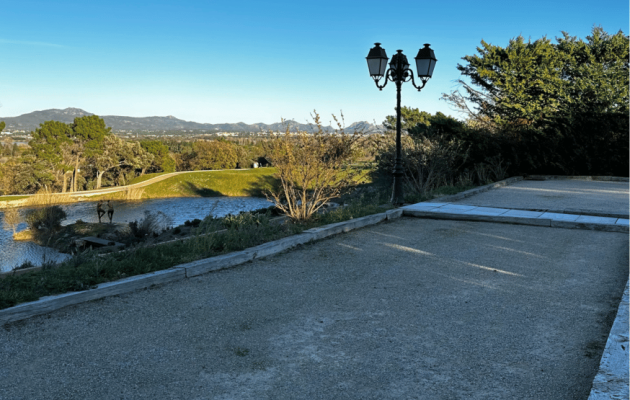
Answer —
153 222
45 219
548 108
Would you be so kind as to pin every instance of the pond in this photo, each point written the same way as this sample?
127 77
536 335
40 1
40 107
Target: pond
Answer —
178 209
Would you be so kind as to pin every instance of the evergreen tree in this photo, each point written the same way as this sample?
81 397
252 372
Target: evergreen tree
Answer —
563 106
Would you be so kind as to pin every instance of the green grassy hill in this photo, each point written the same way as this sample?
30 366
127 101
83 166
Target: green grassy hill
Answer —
214 183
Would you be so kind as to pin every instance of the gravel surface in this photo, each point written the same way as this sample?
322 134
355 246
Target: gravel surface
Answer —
556 195
402 310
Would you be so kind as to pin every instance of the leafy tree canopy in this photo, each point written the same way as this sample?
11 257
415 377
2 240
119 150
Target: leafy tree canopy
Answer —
91 130
48 139
409 117
527 84
561 107
162 160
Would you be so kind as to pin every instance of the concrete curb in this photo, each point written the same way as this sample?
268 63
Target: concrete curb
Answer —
611 381
346 226
56 302
517 221
576 211
577 177
49 304
477 190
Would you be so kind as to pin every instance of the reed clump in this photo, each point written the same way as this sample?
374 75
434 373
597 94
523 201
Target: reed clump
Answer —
133 193
45 197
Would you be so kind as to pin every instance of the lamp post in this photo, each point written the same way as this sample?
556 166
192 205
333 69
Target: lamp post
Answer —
398 73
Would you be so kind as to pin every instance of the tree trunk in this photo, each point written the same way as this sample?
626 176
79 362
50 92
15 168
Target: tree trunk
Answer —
99 175
75 175
65 182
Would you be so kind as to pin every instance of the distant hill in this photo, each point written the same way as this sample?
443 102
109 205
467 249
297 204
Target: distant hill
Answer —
29 122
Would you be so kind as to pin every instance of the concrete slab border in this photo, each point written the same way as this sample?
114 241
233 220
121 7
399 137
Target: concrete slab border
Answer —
576 211
611 381
503 219
49 304
477 218
477 190
577 177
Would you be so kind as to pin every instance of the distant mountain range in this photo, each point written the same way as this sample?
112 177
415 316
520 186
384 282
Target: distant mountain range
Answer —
29 122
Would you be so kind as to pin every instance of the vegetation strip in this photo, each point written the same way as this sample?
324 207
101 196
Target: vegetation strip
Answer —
178 272
477 190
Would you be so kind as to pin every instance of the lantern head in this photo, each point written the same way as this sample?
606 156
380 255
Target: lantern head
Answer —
377 61
425 62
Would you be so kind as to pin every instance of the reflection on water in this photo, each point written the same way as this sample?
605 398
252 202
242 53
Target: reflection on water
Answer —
179 209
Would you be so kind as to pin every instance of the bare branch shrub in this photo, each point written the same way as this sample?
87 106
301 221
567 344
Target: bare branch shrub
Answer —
430 163
483 173
153 222
11 218
311 169
498 170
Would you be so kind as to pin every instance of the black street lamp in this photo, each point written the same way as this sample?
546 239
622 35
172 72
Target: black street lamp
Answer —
398 73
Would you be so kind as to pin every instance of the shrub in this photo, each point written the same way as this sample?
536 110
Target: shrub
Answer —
194 223
11 218
153 222
45 219
244 219
310 169
429 161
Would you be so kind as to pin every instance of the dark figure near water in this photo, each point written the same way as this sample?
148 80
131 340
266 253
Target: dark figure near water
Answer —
110 210
99 210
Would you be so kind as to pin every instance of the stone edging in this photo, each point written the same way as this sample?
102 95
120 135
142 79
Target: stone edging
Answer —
576 211
577 178
611 381
51 303
518 221
477 190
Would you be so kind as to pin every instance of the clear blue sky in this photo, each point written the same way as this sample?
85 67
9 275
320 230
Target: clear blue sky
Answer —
255 61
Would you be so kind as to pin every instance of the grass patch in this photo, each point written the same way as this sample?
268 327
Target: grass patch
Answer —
251 182
146 177
12 198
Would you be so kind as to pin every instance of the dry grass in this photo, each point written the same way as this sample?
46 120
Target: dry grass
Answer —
46 198
125 194
133 193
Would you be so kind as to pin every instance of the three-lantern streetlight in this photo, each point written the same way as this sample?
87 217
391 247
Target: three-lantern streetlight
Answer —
398 73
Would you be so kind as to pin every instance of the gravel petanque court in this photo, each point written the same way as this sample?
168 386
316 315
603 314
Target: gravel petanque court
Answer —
592 197
409 309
